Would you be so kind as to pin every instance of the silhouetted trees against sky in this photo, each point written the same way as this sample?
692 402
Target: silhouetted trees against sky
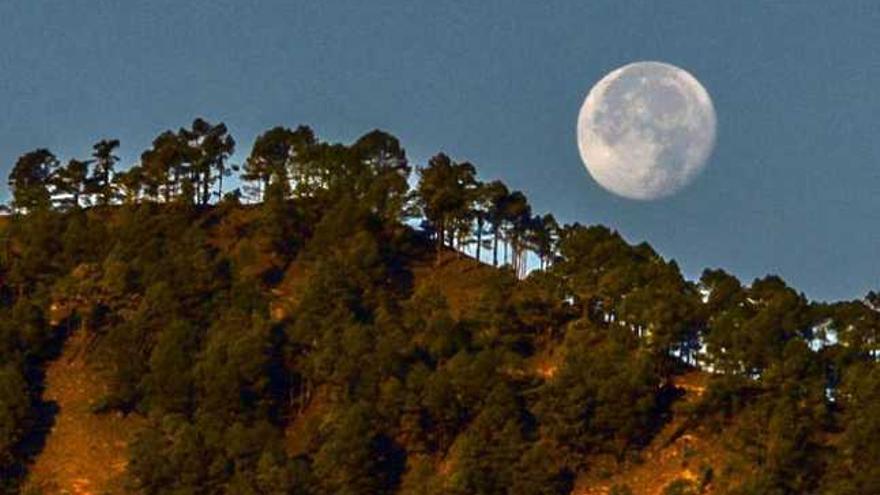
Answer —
191 164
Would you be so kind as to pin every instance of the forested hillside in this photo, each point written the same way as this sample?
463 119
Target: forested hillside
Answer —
325 327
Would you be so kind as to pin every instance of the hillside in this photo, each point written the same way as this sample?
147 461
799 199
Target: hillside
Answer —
683 453
158 336
85 453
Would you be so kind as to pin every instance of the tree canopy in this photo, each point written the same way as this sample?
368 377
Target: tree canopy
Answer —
296 334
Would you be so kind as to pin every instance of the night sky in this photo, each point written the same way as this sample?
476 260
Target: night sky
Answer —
793 186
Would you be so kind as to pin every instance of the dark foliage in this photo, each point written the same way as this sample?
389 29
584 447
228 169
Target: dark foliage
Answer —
226 324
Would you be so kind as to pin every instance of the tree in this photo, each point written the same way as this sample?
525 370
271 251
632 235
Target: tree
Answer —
235 373
751 327
30 179
69 183
516 213
487 451
169 384
385 185
544 234
269 159
445 192
207 148
101 182
355 458
854 469
854 327
603 398
163 168
130 184
14 411
481 205
495 194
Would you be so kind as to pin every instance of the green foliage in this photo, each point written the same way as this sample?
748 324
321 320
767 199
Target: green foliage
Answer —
169 384
14 411
604 397
236 373
355 458
30 180
230 326
485 455
444 191
854 468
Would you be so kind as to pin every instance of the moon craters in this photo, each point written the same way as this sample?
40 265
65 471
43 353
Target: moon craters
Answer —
646 130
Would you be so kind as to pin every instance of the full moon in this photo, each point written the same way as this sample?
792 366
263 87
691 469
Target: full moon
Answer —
646 130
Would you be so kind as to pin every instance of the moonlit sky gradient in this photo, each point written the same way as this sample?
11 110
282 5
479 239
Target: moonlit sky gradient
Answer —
793 186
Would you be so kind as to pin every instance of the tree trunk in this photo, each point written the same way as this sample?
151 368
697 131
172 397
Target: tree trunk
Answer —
206 195
479 236
441 230
495 249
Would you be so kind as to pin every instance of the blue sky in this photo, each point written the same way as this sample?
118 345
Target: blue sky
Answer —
791 189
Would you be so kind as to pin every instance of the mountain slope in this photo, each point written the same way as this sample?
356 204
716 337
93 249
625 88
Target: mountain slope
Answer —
85 453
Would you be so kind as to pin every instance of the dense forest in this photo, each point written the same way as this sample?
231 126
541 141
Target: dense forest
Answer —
226 316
